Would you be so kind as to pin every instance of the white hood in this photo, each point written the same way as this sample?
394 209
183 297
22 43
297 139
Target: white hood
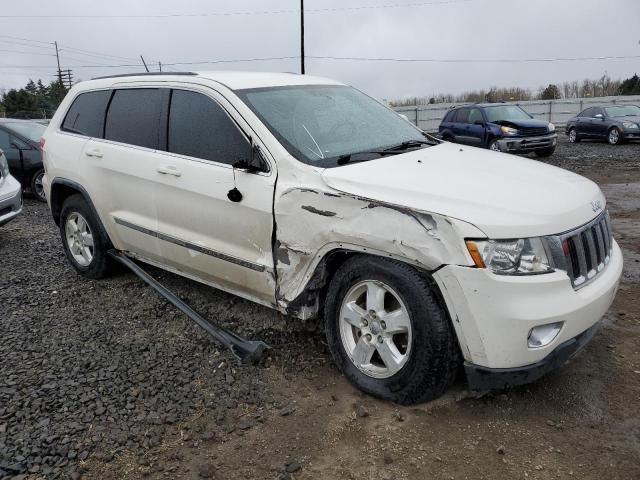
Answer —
504 195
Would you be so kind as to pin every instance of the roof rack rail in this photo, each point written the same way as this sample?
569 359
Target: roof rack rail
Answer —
143 74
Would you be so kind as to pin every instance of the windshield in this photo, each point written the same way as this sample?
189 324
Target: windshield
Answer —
33 131
509 113
318 124
623 111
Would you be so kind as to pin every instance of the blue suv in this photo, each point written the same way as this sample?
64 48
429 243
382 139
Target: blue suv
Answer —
500 127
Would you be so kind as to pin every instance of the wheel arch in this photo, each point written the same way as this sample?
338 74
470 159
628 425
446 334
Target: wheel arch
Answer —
61 189
309 303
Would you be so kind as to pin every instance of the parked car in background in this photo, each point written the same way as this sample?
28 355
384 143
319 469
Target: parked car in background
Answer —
10 193
308 196
499 127
612 123
19 139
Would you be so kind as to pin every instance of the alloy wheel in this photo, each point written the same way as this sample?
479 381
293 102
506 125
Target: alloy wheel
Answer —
79 239
614 136
572 135
375 329
38 186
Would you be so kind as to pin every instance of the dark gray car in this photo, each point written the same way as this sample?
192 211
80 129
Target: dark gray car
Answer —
613 123
19 139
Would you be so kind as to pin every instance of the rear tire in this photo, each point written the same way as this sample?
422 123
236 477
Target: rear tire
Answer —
614 137
37 188
547 152
375 306
573 135
84 240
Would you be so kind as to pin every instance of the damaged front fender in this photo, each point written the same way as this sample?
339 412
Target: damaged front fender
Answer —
312 223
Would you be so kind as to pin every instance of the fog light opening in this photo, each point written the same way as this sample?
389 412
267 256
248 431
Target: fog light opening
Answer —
543 335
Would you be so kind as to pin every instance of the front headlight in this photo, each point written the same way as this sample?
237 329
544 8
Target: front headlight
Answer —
4 166
508 131
524 256
552 127
630 125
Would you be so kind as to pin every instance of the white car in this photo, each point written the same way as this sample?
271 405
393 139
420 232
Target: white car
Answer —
10 193
307 196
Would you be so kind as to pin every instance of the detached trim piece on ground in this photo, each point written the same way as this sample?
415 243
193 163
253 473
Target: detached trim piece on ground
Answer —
247 351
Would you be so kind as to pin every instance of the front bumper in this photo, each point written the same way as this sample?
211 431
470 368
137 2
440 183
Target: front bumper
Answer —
628 134
482 378
493 314
527 144
10 199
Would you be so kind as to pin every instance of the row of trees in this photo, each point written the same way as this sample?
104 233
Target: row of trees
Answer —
35 100
601 87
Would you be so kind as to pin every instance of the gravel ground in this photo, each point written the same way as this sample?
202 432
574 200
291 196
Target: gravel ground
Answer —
105 380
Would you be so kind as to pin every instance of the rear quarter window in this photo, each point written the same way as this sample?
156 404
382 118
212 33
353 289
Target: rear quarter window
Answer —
86 114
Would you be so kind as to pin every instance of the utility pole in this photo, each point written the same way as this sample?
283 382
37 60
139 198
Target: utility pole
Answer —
58 59
302 37
144 63
159 65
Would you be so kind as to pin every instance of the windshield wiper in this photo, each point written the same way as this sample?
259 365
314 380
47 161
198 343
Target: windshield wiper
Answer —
392 150
408 144
367 155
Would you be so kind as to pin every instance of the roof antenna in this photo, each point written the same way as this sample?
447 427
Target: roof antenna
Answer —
144 63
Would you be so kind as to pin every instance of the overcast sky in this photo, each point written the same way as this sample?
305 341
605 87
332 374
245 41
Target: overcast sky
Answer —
444 29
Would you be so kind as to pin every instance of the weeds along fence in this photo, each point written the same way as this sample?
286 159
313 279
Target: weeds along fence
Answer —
428 117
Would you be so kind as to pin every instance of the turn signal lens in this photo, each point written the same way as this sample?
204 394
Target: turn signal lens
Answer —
475 254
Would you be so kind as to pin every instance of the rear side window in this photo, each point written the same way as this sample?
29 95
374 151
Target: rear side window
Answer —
462 116
86 115
586 113
135 117
200 128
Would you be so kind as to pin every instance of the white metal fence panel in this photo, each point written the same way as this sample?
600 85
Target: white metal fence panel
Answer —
428 117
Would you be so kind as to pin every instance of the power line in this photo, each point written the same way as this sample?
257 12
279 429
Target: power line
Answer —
28 53
364 59
240 13
26 39
476 60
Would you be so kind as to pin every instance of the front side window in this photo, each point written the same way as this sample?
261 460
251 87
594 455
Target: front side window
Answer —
506 113
475 116
86 115
135 117
200 128
318 124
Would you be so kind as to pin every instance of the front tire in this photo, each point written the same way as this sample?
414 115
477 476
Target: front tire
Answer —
547 152
37 188
494 145
84 240
614 137
388 333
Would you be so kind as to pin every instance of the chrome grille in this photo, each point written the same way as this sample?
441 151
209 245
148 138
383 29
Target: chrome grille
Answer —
587 249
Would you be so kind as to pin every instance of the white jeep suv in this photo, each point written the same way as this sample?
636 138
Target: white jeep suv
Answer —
307 196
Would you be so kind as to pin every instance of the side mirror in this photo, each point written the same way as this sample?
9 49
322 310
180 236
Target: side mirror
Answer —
256 163
600 116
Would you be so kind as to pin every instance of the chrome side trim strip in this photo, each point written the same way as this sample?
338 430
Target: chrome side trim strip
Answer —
191 246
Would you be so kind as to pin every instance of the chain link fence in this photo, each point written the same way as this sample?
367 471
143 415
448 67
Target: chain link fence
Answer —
428 117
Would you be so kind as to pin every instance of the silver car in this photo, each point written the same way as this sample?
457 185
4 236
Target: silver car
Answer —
10 193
